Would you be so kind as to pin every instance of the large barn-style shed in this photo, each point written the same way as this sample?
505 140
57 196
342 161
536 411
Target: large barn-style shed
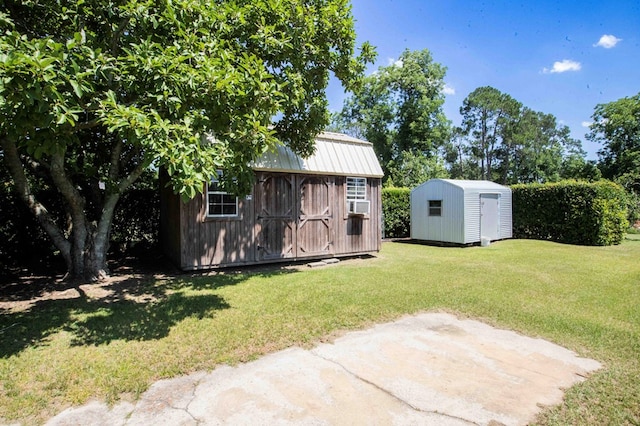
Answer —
461 211
326 205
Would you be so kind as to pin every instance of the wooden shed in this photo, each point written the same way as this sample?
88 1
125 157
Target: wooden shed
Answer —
461 211
327 205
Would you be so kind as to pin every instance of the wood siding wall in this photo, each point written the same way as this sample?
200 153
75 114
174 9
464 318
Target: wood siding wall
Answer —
170 210
287 217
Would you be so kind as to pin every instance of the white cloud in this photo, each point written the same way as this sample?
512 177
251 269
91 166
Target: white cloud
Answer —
607 41
563 66
586 124
394 62
448 90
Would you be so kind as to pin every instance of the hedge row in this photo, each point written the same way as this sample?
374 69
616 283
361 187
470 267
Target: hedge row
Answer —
25 244
585 213
570 212
396 212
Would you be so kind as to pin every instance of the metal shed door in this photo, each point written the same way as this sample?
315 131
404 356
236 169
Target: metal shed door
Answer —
490 216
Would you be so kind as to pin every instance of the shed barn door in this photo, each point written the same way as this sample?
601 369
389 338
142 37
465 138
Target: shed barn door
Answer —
275 213
315 224
490 216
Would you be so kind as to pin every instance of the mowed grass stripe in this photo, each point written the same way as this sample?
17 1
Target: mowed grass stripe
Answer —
64 352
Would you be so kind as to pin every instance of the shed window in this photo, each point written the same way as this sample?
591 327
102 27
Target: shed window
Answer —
219 202
435 207
356 188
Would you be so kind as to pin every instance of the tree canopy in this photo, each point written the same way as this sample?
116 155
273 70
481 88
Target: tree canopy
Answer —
92 93
487 117
616 125
398 108
502 140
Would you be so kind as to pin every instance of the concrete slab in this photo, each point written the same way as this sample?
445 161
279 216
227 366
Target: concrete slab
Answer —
430 369
464 368
296 387
94 413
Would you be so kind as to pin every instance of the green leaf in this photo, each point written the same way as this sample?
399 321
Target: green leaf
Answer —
76 88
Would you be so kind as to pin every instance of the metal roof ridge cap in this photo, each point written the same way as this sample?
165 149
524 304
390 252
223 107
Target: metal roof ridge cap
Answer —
342 138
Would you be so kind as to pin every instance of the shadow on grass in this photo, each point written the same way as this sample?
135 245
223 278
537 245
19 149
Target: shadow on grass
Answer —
142 308
129 320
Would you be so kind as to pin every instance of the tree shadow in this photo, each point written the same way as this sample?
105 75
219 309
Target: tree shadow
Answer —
129 320
95 314
142 308
20 330
225 277
133 307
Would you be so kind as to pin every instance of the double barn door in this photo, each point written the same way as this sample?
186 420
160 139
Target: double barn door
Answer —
294 215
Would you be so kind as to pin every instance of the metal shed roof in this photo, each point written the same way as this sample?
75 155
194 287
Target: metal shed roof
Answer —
335 154
472 184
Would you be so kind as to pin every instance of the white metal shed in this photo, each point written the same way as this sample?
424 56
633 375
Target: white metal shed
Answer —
461 211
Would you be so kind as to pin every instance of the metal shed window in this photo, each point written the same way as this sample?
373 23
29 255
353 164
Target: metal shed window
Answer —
356 188
435 207
219 202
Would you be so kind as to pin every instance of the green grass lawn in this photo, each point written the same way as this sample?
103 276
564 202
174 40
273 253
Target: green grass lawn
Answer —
64 352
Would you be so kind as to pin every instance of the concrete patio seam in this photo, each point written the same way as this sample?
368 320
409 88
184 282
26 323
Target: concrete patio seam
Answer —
193 397
391 394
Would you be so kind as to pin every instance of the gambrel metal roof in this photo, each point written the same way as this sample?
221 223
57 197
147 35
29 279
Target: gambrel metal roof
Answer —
336 154
473 184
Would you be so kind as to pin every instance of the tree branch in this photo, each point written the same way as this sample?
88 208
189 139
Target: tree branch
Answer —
106 218
76 204
87 124
114 166
23 189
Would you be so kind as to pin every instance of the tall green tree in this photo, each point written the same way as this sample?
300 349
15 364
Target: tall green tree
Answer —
616 125
92 93
488 118
410 170
398 108
536 149
574 162
502 140
459 156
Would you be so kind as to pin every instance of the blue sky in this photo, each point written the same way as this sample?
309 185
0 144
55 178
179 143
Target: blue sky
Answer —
549 55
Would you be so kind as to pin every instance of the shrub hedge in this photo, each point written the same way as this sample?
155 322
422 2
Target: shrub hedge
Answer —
23 243
585 213
396 212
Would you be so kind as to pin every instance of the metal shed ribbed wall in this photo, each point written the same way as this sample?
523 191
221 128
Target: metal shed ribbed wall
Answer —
460 220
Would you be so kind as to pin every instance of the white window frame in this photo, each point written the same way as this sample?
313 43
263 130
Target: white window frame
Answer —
356 188
432 209
214 191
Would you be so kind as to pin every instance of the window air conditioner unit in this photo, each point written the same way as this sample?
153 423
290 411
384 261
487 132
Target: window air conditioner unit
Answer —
358 207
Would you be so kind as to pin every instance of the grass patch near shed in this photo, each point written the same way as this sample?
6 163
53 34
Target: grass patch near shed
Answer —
114 343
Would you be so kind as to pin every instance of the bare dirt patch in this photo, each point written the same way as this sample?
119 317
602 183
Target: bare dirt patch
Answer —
21 289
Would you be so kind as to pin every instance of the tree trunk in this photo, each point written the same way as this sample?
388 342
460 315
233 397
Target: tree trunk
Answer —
94 260
96 256
84 249
483 145
89 258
